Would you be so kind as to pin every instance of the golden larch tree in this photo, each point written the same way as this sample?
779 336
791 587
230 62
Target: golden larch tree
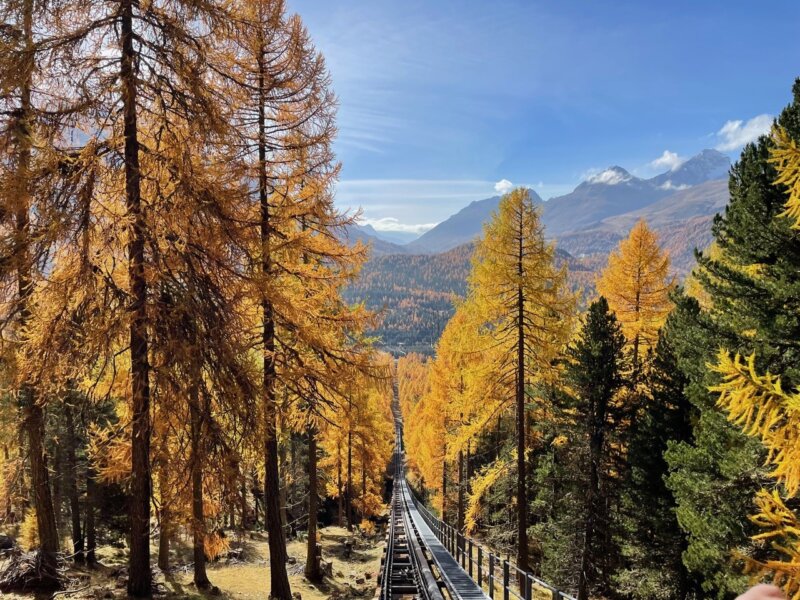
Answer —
522 300
636 283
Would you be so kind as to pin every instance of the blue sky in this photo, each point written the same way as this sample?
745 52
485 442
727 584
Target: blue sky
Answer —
442 99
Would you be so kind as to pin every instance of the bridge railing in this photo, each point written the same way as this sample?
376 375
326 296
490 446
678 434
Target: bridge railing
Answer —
498 577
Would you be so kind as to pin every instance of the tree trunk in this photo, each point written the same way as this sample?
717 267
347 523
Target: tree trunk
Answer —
139 579
45 518
460 512
279 579
444 487
363 489
349 485
196 417
596 438
72 486
282 468
341 491
313 571
254 477
165 518
58 470
91 503
522 504
33 413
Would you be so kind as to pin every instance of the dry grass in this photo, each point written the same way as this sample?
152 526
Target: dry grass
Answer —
244 579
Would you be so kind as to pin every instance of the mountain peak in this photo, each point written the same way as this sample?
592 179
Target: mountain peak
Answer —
611 176
705 166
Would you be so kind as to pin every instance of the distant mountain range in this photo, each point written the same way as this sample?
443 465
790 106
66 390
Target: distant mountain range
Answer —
586 225
603 208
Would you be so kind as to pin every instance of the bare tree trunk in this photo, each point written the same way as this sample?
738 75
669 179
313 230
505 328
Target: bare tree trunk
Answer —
196 465
349 481
58 470
165 517
460 507
282 467
139 577
45 520
341 491
72 486
313 571
91 503
363 489
254 489
444 488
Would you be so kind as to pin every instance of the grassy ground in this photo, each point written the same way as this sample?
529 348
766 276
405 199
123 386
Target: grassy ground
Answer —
245 577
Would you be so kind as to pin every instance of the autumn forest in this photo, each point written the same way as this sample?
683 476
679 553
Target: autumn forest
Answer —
193 400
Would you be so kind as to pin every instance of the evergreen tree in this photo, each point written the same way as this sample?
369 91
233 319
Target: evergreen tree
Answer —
748 302
652 541
595 374
763 408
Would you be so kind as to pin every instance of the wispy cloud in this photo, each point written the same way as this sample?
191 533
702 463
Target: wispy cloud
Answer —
735 134
668 160
392 224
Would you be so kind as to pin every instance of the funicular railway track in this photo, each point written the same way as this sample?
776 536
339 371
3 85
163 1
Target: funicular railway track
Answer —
427 559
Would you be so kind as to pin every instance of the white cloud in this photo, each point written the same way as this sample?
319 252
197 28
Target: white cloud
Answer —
392 224
668 185
610 177
503 186
735 134
668 160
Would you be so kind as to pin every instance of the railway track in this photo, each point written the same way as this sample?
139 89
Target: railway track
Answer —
427 559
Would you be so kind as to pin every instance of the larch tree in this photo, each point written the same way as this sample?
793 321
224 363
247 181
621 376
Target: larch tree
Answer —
636 283
524 305
40 175
284 111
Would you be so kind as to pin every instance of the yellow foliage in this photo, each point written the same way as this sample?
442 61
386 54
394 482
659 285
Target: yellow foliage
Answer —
637 282
214 545
759 405
482 483
29 531
786 157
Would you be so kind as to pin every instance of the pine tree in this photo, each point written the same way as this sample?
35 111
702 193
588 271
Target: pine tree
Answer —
749 286
763 408
595 373
652 540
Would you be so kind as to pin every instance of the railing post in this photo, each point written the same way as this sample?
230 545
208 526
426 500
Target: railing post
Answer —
528 589
505 580
469 545
480 566
491 575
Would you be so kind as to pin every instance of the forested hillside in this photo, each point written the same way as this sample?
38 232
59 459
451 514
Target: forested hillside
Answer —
415 294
